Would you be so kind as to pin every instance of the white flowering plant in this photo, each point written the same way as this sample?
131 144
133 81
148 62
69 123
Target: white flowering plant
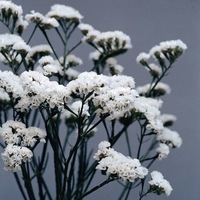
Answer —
48 109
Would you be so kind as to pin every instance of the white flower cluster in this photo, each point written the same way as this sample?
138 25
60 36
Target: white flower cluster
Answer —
11 84
169 137
36 52
14 132
111 95
113 67
159 185
14 41
14 156
149 107
4 96
160 89
168 119
163 150
12 13
42 21
109 42
19 139
32 89
169 50
8 6
48 66
115 163
39 89
67 13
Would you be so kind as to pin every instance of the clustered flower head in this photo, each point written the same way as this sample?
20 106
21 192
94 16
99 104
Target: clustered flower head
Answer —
19 140
32 89
116 164
42 21
62 12
159 90
14 156
11 16
113 95
169 50
169 137
159 185
110 43
14 132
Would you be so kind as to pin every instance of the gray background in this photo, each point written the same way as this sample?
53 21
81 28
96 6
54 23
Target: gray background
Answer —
148 22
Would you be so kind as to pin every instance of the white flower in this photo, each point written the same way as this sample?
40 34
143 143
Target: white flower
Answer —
154 70
142 58
159 185
14 156
38 49
149 107
11 8
159 89
41 20
115 39
48 66
73 60
85 28
7 40
172 44
169 137
115 163
94 55
14 132
39 89
59 11
3 95
113 67
168 119
163 151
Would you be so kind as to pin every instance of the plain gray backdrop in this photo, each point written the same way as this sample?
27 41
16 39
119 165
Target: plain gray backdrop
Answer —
147 22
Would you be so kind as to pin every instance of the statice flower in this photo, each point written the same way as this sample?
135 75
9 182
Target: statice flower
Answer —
14 156
8 8
116 164
110 95
14 132
113 67
41 20
85 28
11 83
159 185
149 107
48 66
16 42
37 52
71 74
39 89
73 60
168 119
95 55
158 90
169 50
169 137
163 151
154 70
62 12
143 58
4 97
111 42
